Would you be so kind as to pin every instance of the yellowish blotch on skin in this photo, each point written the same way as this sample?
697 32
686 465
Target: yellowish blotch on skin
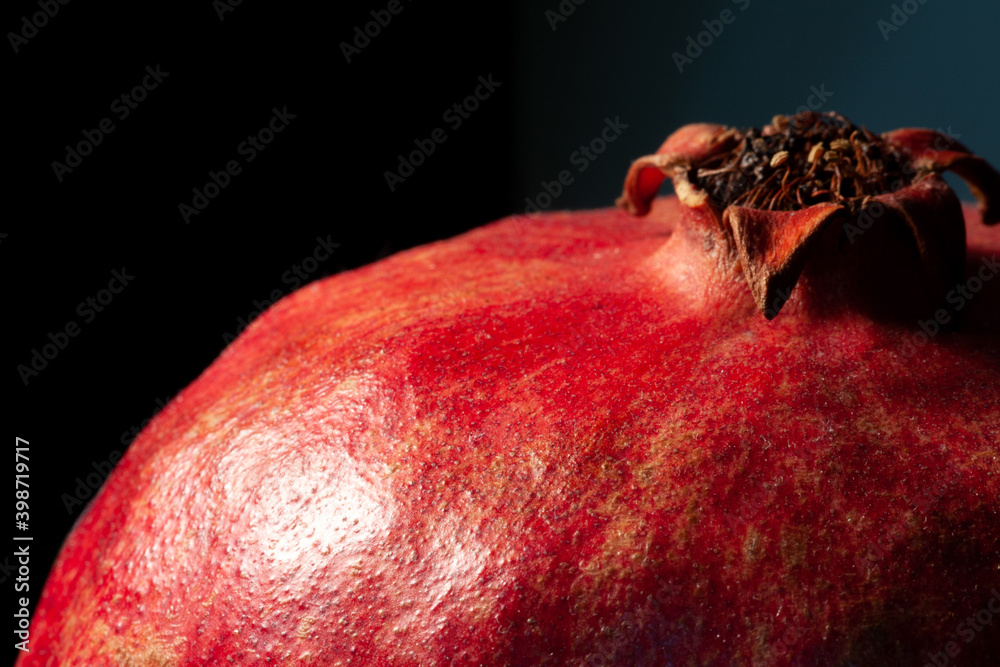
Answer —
305 627
128 650
753 546
794 546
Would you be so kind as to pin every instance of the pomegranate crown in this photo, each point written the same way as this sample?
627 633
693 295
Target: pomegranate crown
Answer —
774 190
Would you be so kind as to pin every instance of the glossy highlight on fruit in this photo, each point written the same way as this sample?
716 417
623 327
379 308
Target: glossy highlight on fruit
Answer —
574 439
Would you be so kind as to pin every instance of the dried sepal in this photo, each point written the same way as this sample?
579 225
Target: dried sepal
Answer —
936 151
773 190
688 145
773 247
933 213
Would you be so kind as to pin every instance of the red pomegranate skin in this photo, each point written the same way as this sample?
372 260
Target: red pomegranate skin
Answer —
564 440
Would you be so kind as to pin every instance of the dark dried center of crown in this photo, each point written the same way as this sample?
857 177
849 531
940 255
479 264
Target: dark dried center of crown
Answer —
798 161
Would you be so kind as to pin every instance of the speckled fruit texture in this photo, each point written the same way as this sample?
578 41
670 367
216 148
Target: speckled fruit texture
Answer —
570 439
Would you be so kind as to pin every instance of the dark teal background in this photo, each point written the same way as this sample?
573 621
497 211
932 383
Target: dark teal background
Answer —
939 69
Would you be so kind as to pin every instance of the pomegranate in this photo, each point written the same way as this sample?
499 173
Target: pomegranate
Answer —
755 423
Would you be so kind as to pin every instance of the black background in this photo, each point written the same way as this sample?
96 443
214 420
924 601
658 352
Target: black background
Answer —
323 176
